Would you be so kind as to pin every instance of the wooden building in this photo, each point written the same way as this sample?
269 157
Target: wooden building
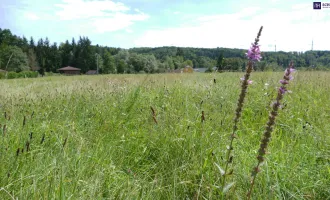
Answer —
188 69
69 70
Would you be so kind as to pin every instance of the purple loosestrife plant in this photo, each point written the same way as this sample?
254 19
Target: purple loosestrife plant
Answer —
253 55
270 124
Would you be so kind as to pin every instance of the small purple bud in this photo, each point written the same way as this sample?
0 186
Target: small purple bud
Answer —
290 70
249 81
282 90
291 77
284 82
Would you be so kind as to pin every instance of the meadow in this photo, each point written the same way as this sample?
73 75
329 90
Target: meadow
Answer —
161 137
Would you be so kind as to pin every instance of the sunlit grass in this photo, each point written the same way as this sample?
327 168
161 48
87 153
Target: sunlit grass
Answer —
101 142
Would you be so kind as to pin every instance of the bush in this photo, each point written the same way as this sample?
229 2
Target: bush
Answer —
52 74
160 70
11 75
321 68
23 74
2 75
209 70
34 74
27 74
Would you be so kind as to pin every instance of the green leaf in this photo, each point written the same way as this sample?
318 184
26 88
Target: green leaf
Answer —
205 163
222 172
227 187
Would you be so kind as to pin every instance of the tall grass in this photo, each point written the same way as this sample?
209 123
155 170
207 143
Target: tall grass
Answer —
95 137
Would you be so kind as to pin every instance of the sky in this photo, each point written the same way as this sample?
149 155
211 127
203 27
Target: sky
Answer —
290 25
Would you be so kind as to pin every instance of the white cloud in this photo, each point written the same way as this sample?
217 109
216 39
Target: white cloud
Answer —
292 30
129 30
31 16
117 22
100 16
79 9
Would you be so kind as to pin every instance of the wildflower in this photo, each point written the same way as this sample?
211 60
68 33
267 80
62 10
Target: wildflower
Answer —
266 85
248 81
282 90
270 124
290 70
253 53
284 82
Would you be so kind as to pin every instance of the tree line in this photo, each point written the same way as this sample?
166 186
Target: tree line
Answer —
18 54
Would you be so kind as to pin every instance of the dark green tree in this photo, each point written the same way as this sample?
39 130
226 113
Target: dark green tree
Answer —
179 52
220 62
168 64
32 60
136 61
13 59
32 43
121 67
41 56
150 64
55 59
86 55
109 66
66 54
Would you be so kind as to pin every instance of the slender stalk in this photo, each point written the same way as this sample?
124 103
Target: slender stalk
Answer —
8 64
253 55
270 125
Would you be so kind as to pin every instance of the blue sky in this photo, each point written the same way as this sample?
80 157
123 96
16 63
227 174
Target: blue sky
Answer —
291 25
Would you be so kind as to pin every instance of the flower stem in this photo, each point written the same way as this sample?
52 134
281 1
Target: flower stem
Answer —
269 126
240 102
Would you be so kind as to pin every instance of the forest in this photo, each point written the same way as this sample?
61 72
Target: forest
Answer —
19 54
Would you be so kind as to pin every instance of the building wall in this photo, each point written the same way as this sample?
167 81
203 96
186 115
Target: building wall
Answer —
71 72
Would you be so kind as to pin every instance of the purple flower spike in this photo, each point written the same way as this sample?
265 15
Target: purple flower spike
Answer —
270 124
253 53
287 77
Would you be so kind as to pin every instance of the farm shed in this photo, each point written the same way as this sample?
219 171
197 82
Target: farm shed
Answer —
188 69
91 72
69 70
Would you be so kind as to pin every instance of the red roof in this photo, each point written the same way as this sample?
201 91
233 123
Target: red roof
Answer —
69 68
